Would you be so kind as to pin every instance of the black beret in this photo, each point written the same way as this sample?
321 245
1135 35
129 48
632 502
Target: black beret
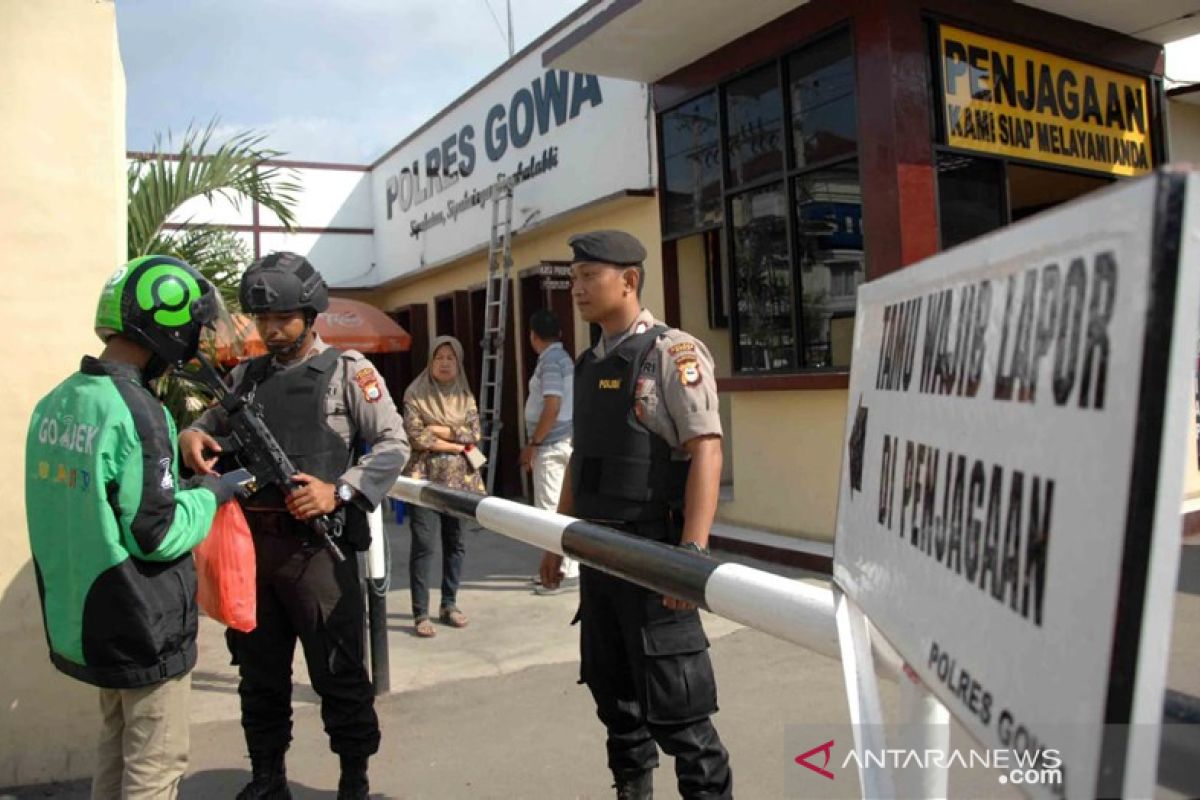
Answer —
607 247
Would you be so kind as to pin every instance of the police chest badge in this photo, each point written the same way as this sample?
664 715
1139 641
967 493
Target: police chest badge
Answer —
689 370
368 384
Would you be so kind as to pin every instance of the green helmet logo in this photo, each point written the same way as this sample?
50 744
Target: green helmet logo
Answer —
167 292
160 302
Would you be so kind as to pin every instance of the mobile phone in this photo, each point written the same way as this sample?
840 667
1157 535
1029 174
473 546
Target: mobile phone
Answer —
240 479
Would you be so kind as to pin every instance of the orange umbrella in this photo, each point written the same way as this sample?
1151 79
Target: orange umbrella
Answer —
348 324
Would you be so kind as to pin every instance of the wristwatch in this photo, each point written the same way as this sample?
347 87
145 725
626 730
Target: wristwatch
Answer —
694 546
345 493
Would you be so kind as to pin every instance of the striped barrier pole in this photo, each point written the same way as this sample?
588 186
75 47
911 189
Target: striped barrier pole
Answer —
788 609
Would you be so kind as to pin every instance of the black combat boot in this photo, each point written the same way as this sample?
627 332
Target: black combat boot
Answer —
269 780
353 784
635 784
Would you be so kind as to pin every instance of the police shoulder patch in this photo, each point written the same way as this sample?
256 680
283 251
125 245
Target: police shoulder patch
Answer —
368 384
689 370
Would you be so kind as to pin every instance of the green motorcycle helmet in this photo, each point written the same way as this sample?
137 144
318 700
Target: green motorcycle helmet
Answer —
161 303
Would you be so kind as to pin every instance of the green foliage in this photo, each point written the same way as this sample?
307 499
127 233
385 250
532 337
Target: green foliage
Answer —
165 180
237 170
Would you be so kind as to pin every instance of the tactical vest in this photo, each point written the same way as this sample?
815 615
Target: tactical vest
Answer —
619 470
292 403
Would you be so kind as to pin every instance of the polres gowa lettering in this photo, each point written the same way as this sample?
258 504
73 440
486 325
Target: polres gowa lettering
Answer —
549 102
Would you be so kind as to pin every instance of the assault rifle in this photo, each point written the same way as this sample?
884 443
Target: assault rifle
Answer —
259 451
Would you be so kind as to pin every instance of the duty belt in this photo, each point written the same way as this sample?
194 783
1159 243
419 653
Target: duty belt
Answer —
273 522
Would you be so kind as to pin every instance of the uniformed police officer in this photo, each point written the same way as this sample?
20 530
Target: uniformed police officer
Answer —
321 403
647 461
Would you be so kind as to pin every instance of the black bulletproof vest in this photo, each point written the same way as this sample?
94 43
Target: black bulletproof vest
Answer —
292 402
619 470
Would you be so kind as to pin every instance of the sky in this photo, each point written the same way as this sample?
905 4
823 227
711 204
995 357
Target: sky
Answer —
1183 61
333 80
326 80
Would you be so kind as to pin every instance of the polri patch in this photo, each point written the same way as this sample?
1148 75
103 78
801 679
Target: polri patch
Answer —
689 370
368 384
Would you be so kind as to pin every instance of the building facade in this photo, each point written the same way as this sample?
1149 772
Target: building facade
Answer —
806 147
577 151
772 161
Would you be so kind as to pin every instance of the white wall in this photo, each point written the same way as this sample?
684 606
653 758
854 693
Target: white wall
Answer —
343 259
330 199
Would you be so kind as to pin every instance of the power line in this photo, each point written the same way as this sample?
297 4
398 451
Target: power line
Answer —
496 19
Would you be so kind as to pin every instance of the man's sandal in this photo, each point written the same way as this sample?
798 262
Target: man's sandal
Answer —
453 617
424 628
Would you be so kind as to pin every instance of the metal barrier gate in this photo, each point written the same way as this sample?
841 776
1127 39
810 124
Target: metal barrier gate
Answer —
796 612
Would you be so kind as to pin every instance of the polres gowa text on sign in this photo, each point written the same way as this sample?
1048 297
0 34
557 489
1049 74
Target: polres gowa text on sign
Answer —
549 102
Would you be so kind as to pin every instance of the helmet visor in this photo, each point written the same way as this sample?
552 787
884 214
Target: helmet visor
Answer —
217 327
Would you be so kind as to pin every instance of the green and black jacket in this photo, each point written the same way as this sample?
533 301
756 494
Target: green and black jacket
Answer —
110 531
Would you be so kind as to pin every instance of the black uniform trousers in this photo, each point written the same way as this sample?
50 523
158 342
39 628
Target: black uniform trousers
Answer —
303 593
648 669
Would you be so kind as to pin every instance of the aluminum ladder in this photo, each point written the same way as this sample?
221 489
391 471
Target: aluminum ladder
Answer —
495 324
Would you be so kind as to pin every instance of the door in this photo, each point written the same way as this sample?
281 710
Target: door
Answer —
403 367
548 285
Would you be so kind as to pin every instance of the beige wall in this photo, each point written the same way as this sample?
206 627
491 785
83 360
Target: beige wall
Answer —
62 222
693 318
693 304
765 431
768 431
1184 132
799 430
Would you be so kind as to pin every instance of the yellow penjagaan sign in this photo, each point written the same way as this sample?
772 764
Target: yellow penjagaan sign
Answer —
1015 101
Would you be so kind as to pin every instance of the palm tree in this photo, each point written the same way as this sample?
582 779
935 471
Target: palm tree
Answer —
161 182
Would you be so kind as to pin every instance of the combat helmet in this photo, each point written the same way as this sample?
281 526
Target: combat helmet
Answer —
283 282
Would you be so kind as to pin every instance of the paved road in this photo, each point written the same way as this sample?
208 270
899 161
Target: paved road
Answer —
493 711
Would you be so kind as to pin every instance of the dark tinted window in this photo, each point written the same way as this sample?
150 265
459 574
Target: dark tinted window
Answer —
829 254
764 278
970 197
821 93
754 125
692 164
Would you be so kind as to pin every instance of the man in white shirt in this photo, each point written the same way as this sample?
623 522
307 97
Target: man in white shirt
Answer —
548 407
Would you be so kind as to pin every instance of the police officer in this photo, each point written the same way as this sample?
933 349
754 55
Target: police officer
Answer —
647 461
321 403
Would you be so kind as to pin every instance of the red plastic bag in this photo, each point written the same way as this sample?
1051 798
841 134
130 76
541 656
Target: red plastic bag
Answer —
225 570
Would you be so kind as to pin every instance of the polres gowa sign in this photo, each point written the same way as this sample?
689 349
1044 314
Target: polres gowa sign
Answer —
563 139
1015 101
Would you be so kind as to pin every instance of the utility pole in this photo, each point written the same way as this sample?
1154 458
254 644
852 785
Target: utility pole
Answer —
511 48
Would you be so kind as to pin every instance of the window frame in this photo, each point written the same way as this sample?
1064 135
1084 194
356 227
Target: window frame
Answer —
788 175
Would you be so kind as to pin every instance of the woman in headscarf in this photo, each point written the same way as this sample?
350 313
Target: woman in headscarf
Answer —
441 420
